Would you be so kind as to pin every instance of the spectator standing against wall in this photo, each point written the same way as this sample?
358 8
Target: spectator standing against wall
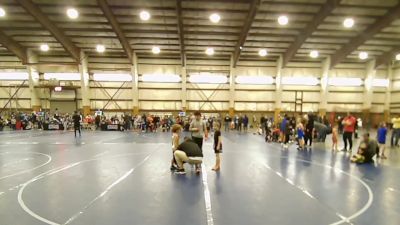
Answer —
255 121
263 123
308 135
77 123
227 122
236 122
245 123
240 123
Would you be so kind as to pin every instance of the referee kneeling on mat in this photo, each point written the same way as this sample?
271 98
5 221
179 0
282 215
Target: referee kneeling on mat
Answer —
188 152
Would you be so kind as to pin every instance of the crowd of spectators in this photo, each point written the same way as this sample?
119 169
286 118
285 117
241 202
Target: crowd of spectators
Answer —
301 129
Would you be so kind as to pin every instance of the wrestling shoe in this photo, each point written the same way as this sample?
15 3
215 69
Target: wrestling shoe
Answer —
180 171
173 168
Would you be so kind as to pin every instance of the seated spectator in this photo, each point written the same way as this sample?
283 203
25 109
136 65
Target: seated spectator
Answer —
366 151
275 134
188 152
258 131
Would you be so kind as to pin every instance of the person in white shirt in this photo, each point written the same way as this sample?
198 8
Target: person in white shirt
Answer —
198 129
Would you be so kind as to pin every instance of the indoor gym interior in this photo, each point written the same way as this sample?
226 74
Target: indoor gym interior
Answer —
145 59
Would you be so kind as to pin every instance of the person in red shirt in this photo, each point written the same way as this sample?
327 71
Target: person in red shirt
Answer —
349 123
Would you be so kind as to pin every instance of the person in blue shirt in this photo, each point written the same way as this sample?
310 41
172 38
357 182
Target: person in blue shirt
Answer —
382 132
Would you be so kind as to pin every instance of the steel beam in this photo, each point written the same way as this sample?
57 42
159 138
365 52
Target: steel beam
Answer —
35 11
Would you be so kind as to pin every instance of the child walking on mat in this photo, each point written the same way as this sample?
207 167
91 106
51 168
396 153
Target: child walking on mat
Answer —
217 146
381 136
300 135
335 138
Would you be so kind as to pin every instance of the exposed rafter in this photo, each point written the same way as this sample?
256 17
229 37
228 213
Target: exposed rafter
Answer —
354 43
35 11
319 18
387 57
180 31
116 27
13 47
247 25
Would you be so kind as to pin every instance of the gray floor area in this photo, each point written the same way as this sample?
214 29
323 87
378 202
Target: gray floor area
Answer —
49 177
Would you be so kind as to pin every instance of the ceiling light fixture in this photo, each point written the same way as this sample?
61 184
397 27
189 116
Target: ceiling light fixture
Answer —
144 15
262 52
215 18
283 20
44 47
2 12
363 55
348 22
72 13
398 57
156 50
314 54
100 48
210 51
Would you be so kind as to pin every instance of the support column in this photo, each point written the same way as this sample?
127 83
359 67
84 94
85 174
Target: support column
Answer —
231 88
326 64
85 89
184 93
278 89
135 84
386 112
36 103
368 93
